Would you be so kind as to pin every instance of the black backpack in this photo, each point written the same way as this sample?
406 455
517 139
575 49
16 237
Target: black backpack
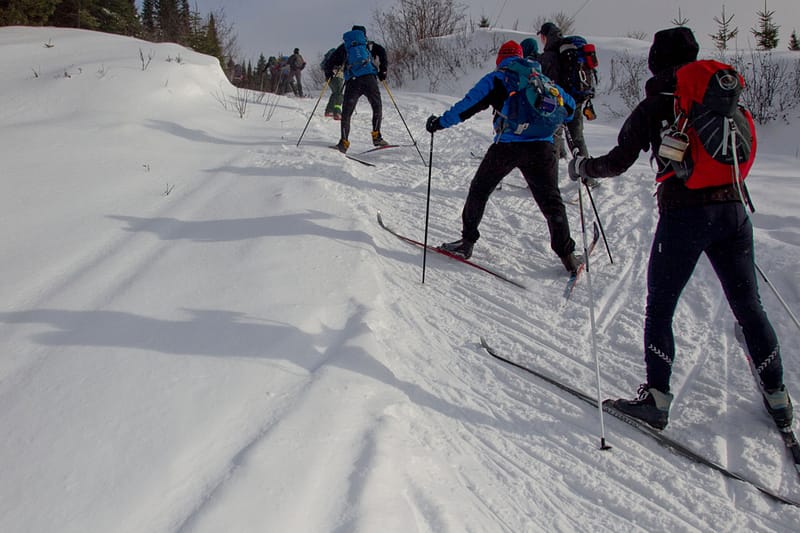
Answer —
577 63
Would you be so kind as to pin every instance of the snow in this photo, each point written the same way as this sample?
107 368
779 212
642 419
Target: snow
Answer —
205 329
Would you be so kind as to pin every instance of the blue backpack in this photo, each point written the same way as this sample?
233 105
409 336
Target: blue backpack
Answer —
535 107
359 58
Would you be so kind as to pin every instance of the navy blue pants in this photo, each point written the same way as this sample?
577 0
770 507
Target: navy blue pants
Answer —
537 162
724 233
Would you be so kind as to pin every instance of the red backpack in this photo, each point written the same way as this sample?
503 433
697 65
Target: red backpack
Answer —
709 123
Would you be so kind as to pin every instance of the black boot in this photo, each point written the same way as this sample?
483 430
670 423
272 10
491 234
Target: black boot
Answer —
779 406
572 263
460 248
652 406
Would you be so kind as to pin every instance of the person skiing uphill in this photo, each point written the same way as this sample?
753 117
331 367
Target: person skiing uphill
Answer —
336 84
356 55
550 58
527 146
296 65
692 221
530 49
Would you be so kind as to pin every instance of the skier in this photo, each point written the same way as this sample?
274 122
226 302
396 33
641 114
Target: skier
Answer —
336 84
530 49
551 37
535 157
708 220
357 56
297 64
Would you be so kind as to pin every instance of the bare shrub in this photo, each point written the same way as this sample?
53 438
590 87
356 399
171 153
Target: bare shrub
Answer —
409 33
627 74
771 85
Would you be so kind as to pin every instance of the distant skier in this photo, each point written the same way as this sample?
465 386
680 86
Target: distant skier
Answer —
523 142
710 220
296 65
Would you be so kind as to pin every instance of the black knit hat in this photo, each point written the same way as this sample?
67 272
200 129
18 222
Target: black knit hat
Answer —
672 47
296 50
361 28
549 29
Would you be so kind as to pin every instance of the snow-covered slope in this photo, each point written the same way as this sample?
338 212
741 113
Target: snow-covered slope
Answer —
204 328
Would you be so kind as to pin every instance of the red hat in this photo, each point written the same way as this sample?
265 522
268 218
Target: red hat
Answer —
509 49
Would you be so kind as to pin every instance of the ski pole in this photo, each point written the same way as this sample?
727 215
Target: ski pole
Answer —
386 85
324 88
576 152
603 445
744 197
600 224
427 211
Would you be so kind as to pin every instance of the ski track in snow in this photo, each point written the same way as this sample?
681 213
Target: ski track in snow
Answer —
358 398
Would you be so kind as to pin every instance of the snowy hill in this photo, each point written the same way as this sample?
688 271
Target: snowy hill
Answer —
204 329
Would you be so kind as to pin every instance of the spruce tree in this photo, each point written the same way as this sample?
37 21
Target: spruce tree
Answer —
168 17
149 19
767 33
724 32
27 12
794 42
680 20
116 16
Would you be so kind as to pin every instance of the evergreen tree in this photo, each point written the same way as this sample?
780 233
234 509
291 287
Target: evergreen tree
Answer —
794 42
116 16
210 44
168 18
724 33
72 14
149 19
27 12
185 20
680 20
767 33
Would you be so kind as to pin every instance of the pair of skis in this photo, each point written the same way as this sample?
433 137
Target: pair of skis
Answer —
570 282
445 253
364 161
788 436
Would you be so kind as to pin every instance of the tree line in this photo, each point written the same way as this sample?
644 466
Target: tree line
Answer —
159 21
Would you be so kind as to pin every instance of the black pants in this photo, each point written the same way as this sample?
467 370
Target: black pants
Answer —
538 164
724 233
354 88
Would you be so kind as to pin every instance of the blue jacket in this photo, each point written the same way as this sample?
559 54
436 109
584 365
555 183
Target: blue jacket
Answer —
493 90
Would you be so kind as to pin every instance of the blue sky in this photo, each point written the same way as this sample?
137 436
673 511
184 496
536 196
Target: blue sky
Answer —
316 25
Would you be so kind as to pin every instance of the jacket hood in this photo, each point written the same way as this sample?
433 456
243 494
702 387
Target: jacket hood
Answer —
672 47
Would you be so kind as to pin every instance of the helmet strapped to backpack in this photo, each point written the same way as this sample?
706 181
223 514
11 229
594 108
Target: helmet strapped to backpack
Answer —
535 106
712 141
578 64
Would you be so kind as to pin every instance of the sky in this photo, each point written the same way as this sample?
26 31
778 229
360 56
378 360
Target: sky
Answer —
203 328
316 25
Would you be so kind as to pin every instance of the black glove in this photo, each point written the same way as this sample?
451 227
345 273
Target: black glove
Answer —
382 76
433 124
328 75
577 167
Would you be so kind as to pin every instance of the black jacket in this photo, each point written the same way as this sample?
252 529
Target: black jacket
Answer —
641 132
549 58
